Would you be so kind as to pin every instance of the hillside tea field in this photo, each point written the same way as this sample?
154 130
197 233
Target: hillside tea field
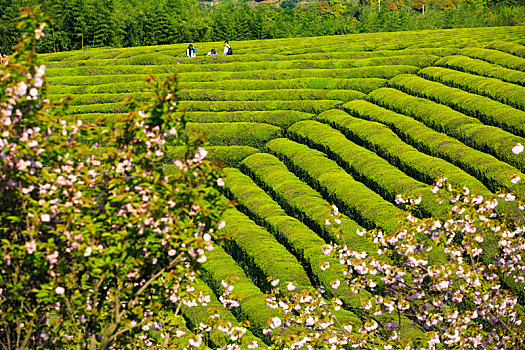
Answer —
303 123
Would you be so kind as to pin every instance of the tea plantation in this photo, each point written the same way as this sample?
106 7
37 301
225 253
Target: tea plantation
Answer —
303 123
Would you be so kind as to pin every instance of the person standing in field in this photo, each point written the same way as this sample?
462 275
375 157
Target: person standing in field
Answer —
191 51
227 49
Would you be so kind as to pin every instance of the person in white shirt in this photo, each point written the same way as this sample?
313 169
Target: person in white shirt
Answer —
227 49
190 51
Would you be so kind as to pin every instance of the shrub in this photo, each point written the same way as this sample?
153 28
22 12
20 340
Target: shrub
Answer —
280 118
229 156
509 47
91 255
444 119
354 198
513 95
470 65
483 108
491 171
502 58
364 165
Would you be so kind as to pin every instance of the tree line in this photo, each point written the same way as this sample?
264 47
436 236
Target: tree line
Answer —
81 24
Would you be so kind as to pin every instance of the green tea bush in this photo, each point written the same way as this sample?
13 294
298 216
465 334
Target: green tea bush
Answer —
259 253
509 47
360 84
305 106
380 139
479 67
236 134
298 238
323 174
492 172
497 57
221 267
510 94
364 165
280 118
488 111
385 72
414 60
469 130
297 198
199 315
295 235
270 95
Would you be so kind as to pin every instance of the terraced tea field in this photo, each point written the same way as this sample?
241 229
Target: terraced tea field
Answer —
303 123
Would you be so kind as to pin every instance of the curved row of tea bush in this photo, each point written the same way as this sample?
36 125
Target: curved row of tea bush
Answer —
365 166
280 118
497 57
299 239
384 71
488 111
201 314
236 134
383 141
351 196
299 200
323 174
480 67
412 60
169 57
223 95
219 267
442 118
492 172
510 94
306 106
229 156
359 84
259 253
270 95
508 47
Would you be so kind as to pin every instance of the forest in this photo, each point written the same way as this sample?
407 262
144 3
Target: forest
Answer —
81 24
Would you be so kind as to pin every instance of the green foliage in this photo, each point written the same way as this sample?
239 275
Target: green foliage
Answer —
493 173
260 75
292 233
229 156
96 247
238 134
222 267
297 198
497 57
379 138
469 130
364 165
282 119
323 174
479 67
259 253
485 109
512 48
510 94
